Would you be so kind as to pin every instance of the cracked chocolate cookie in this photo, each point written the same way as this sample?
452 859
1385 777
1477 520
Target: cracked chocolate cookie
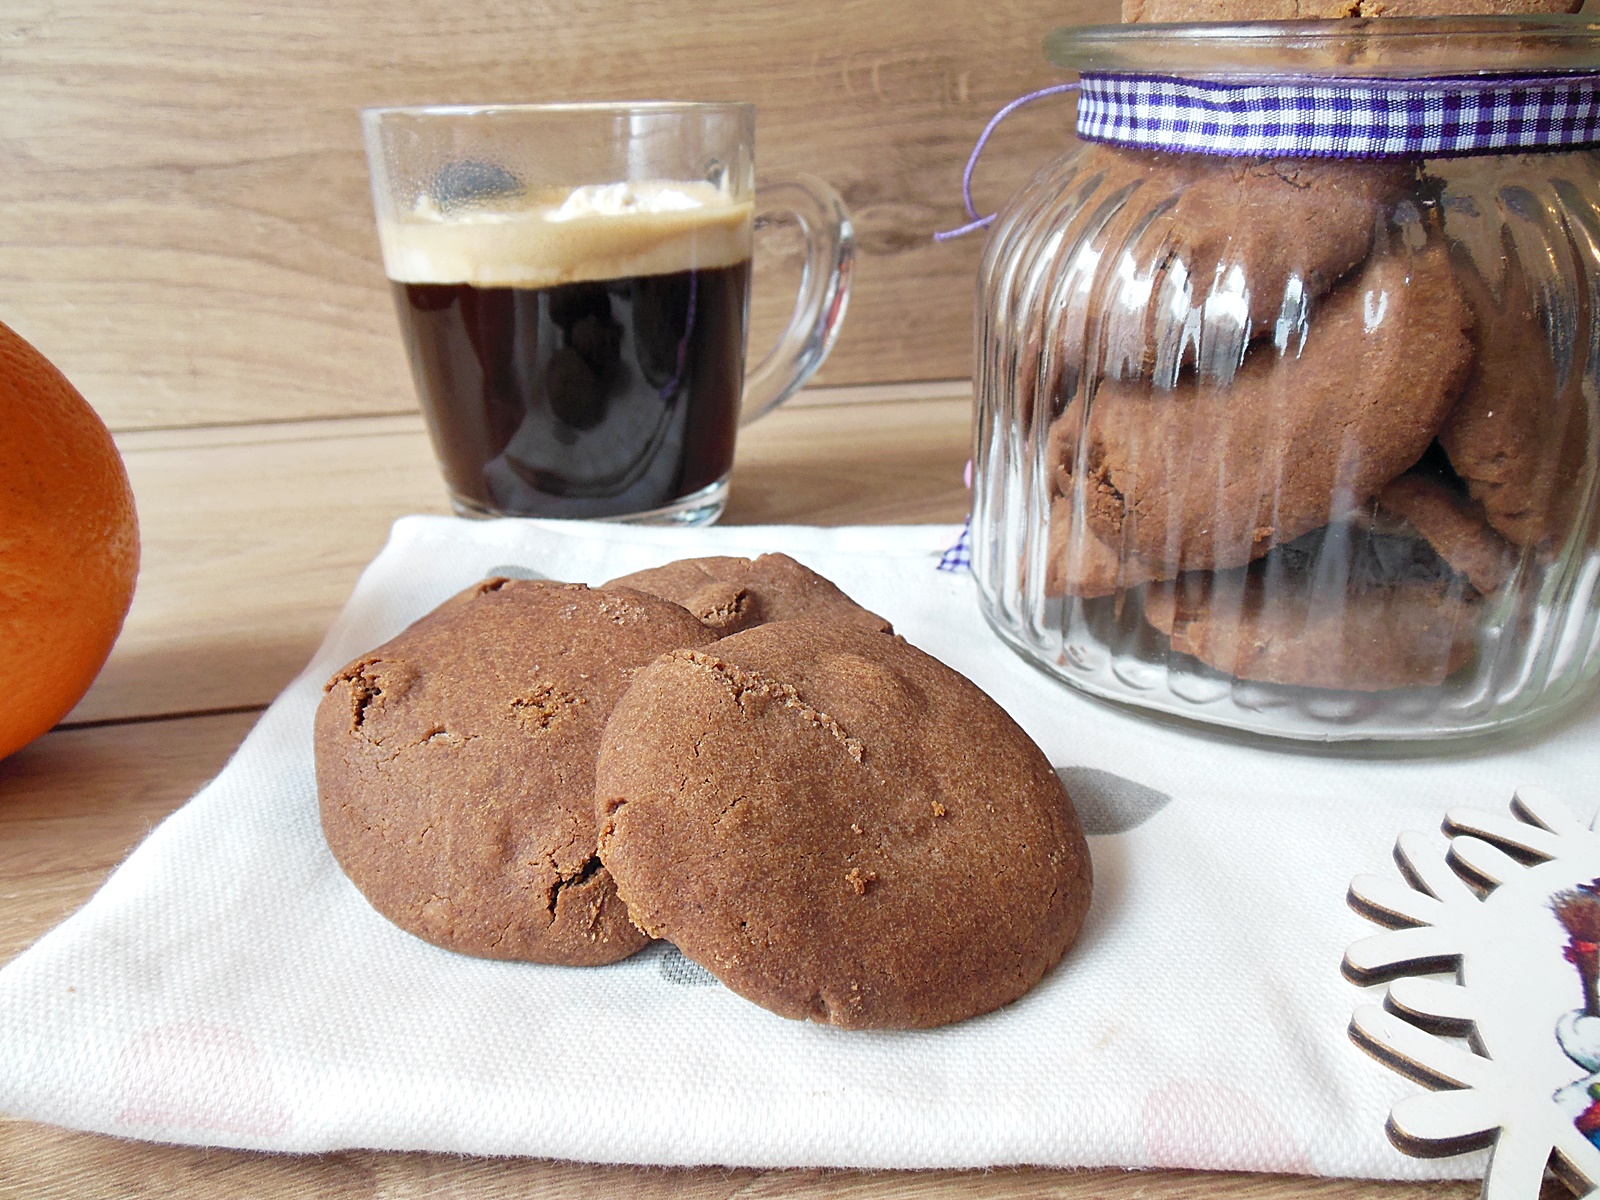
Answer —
839 827
1079 564
1518 435
1211 476
1342 608
732 594
1267 228
455 765
1454 526
1211 253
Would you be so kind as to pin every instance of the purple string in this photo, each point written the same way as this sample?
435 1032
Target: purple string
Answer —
978 222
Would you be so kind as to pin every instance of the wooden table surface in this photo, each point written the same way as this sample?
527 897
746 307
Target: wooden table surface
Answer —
253 538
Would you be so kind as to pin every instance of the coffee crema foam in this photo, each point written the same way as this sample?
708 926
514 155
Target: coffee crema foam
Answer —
598 232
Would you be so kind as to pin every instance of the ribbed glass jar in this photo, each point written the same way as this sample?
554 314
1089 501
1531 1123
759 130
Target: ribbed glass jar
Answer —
1300 447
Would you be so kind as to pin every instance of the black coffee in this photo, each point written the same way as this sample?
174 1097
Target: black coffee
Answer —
589 399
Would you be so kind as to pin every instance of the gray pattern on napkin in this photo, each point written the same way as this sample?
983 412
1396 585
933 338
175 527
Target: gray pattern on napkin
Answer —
512 571
675 968
1108 803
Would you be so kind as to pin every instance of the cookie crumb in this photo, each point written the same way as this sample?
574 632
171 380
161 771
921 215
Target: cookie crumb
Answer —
860 880
543 707
721 609
938 809
856 829
619 610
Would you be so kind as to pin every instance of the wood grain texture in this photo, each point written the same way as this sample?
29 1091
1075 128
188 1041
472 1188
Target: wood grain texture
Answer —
44 1163
254 536
75 802
252 539
188 232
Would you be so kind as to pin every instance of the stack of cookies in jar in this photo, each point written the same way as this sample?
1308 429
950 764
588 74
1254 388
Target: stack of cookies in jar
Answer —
1324 417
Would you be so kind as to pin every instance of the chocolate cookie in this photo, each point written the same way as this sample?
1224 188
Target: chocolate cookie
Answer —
1364 613
731 594
1215 251
1079 564
1209 252
1517 436
455 765
1454 526
1211 476
1278 222
840 828
1061 448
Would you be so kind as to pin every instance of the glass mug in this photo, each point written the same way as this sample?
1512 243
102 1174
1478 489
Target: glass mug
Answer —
572 283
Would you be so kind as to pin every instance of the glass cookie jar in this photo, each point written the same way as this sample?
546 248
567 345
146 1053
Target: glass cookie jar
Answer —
1286 377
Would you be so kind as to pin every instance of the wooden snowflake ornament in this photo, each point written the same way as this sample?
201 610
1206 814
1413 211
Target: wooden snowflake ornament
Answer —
1512 1046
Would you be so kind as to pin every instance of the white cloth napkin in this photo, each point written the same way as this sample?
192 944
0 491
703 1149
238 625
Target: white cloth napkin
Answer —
228 985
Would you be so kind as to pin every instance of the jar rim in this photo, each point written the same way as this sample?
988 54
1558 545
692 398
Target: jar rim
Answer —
1351 47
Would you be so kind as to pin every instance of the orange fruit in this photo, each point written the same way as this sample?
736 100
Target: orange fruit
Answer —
69 544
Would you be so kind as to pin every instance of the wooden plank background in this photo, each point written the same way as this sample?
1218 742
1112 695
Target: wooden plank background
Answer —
186 226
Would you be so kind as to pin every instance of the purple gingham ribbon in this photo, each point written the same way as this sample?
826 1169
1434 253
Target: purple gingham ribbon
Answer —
1436 117
959 556
1343 118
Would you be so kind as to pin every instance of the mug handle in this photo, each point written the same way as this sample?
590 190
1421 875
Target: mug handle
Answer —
824 289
